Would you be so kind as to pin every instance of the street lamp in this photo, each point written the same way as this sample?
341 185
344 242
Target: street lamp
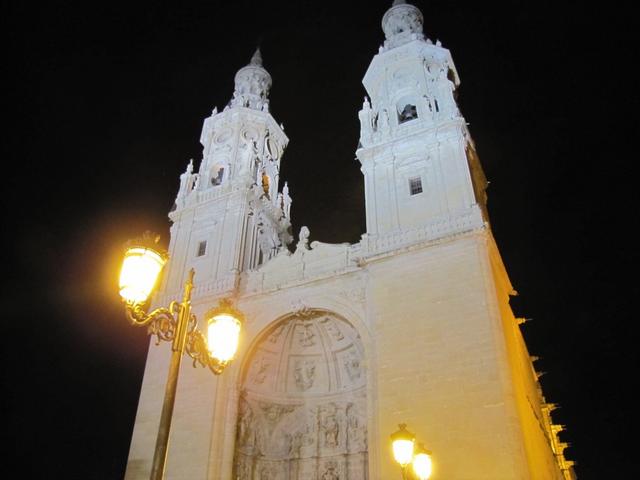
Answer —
141 268
405 452
422 462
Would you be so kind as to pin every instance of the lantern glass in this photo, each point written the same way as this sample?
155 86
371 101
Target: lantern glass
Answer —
422 464
402 443
403 451
139 274
223 335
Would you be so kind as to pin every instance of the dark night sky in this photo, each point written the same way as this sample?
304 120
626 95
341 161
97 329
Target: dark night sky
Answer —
104 106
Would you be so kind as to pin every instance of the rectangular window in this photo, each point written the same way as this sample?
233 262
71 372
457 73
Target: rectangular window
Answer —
202 248
415 185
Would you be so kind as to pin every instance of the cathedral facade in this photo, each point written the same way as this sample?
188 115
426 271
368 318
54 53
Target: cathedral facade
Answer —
342 342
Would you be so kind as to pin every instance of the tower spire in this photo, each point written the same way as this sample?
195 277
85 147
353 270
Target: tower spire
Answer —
252 85
256 59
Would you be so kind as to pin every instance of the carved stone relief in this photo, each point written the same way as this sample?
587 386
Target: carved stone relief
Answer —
260 367
352 366
332 328
296 421
305 374
306 334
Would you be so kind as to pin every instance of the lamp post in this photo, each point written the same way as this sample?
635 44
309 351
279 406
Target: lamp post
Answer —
405 453
141 268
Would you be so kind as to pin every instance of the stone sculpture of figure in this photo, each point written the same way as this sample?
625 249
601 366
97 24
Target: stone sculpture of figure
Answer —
330 472
186 182
287 200
265 183
383 122
306 335
356 432
268 238
444 89
352 365
304 374
366 123
246 433
303 239
331 430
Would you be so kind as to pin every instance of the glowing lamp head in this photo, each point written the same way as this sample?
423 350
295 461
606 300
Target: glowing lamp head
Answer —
223 332
402 442
422 462
140 270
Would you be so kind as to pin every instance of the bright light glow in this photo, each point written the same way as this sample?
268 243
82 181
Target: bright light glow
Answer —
422 465
223 335
139 273
403 451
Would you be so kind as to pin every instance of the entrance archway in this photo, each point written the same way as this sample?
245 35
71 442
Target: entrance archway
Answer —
302 412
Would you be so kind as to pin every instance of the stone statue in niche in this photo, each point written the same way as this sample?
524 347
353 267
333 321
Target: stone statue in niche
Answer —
310 433
246 426
297 441
331 427
304 374
268 238
356 431
330 472
352 366
306 335
383 122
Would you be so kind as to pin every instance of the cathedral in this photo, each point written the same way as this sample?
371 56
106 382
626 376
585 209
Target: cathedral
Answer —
343 342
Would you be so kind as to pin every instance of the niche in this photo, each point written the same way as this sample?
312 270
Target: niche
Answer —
406 109
217 174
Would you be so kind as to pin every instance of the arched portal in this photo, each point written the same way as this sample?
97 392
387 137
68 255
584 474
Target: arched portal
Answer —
302 412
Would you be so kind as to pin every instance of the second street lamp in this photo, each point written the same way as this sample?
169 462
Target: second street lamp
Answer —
139 274
405 452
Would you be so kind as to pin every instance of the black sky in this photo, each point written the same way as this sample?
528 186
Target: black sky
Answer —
103 108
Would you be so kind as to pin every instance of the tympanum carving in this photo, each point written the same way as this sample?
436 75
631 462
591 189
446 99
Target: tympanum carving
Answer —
302 413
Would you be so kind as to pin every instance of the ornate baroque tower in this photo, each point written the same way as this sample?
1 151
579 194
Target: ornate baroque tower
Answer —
414 142
343 342
229 216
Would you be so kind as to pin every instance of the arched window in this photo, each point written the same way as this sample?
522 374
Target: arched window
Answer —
217 175
409 112
406 109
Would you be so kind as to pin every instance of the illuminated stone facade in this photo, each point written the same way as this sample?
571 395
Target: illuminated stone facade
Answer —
343 342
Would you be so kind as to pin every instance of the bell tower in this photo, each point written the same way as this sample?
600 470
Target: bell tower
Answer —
229 216
414 144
